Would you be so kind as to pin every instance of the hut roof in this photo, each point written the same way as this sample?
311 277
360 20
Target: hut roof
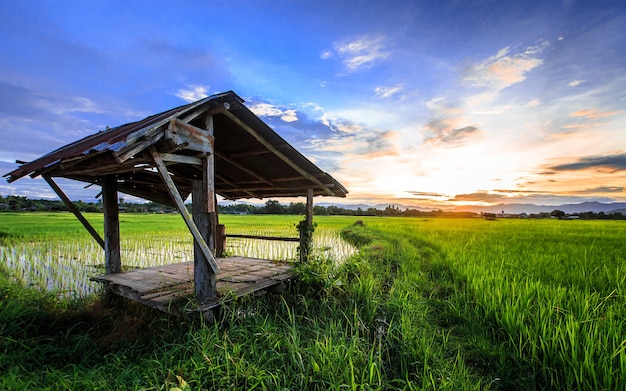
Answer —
251 160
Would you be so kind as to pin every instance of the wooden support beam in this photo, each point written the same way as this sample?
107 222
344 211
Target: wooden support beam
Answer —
205 279
235 187
180 204
190 116
193 114
208 171
249 153
112 256
276 152
232 184
220 239
132 148
181 159
204 215
260 237
103 168
309 208
70 205
306 232
194 139
244 168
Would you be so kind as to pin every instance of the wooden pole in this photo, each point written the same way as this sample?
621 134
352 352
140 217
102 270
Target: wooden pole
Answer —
209 201
306 234
309 208
70 205
205 216
205 279
112 256
220 233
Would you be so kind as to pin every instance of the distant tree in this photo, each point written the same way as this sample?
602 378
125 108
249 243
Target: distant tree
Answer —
391 210
273 207
333 210
557 213
319 210
296 208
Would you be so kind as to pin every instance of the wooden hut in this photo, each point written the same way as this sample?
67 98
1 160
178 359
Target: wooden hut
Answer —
215 146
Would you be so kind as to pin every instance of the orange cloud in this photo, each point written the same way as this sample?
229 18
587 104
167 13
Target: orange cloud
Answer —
503 70
593 113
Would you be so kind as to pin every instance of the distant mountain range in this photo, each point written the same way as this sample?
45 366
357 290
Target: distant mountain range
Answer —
595 207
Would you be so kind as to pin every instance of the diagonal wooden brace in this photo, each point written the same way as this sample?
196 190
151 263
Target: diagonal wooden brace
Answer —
180 204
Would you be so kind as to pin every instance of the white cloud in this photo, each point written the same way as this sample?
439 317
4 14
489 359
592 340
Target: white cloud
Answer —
289 116
269 110
388 92
193 93
503 69
362 53
60 106
326 55
575 83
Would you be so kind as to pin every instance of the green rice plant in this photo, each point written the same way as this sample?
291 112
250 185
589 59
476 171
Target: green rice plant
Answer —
50 258
553 290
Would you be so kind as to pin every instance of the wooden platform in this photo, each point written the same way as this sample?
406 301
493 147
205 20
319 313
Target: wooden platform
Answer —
169 288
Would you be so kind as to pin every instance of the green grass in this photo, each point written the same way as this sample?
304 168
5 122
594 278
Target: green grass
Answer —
427 304
552 293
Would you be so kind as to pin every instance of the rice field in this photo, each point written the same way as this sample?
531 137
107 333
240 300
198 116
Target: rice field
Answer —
428 304
55 261
555 292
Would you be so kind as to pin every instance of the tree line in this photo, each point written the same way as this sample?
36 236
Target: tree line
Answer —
24 204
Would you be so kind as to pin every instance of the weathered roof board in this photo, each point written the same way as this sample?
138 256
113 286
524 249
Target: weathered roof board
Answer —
251 160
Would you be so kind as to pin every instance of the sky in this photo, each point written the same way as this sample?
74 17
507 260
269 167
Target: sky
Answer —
427 104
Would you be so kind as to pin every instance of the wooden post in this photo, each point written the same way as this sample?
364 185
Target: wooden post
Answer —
204 215
309 208
112 256
209 201
220 240
205 279
306 236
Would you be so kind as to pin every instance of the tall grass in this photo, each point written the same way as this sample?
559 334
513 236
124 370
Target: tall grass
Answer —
553 290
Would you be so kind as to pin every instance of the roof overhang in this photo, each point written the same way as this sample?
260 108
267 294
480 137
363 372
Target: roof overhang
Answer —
251 159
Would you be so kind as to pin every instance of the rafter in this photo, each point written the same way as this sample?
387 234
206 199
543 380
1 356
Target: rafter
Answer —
275 151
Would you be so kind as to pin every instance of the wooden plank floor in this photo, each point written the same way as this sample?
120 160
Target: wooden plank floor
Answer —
169 288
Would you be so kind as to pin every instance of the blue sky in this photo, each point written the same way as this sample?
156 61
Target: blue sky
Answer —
421 103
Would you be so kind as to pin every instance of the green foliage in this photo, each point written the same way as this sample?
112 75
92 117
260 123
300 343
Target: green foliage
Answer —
357 235
305 233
